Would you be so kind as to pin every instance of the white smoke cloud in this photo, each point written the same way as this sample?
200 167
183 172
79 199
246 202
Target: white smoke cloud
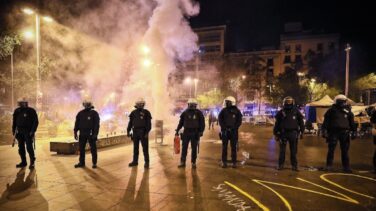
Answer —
99 48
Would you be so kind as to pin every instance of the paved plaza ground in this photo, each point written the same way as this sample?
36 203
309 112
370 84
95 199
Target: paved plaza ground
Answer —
254 185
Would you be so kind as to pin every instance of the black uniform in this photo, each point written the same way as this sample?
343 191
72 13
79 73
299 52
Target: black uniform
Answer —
140 124
373 121
25 124
230 119
193 122
289 123
87 122
338 125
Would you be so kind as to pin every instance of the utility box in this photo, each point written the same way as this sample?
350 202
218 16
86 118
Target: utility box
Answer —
159 131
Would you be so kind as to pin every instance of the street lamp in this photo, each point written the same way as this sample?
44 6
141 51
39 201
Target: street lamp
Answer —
146 62
48 19
145 49
300 74
29 11
28 34
347 49
195 81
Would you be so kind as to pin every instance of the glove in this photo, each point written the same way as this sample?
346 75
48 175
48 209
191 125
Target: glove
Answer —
277 138
75 136
201 134
146 135
301 135
129 134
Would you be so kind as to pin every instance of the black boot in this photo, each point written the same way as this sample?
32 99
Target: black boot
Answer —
79 165
132 164
194 166
32 163
224 165
347 170
280 167
21 165
234 165
181 165
328 168
146 165
295 168
94 166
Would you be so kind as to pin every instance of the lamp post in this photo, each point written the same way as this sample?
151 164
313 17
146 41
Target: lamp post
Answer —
188 81
312 85
29 11
196 82
12 76
347 49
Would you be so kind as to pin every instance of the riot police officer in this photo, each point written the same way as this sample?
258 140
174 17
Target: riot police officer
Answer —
87 123
230 119
25 124
289 123
193 122
339 126
140 124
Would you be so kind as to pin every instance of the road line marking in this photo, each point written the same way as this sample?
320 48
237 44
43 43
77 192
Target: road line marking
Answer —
323 177
284 200
349 199
263 207
287 204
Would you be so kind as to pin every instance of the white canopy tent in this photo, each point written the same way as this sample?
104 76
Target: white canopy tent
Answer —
315 110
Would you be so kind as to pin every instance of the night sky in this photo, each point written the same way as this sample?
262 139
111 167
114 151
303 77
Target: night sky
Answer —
253 24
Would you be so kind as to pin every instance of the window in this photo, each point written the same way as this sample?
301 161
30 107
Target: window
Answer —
287 60
210 38
213 48
320 47
298 48
287 48
270 62
269 74
298 59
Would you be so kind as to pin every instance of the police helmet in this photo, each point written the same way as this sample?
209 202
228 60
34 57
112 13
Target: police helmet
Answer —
22 102
140 103
340 97
192 103
288 101
87 103
230 101
340 100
